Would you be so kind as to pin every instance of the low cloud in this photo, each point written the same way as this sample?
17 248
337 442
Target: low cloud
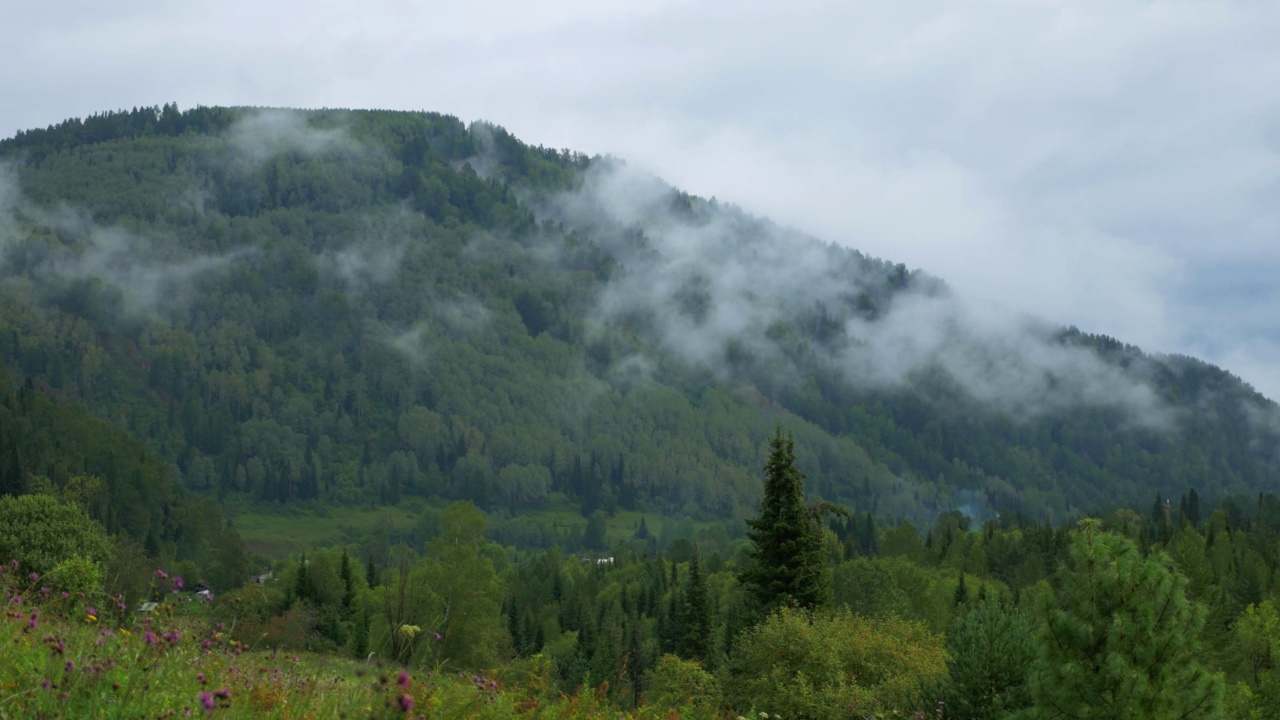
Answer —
706 281
462 314
362 265
54 247
263 134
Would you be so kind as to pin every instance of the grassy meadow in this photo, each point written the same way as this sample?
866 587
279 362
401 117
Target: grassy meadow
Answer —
77 657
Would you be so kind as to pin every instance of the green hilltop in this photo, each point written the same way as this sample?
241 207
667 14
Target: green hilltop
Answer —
346 307
493 416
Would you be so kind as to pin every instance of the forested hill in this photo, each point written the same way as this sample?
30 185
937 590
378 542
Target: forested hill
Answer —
351 306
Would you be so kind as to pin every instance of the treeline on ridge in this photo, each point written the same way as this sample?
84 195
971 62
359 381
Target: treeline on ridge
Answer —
358 306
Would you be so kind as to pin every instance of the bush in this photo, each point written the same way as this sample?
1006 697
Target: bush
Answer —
40 531
831 664
675 683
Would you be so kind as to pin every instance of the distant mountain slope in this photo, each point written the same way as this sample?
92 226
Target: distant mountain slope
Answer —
359 305
56 447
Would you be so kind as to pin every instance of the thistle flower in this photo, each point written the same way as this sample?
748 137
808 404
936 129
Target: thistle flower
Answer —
206 701
403 680
406 704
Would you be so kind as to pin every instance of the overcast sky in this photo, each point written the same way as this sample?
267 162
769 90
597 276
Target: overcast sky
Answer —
1111 164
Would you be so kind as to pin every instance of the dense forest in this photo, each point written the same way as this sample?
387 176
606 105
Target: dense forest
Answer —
344 306
875 502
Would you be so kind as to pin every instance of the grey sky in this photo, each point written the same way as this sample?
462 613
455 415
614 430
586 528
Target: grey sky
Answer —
1111 164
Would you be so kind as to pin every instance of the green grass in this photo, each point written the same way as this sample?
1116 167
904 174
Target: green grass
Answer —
281 534
177 663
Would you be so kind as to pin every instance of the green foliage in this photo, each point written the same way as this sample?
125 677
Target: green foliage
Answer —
1257 636
447 607
694 640
1120 638
78 576
989 650
339 322
684 685
228 563
296 274
42 533
829 664
788 562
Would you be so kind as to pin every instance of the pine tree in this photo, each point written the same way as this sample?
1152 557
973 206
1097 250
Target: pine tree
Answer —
788 563
348 583
962 593
303 590
990 649
693 639
1120 638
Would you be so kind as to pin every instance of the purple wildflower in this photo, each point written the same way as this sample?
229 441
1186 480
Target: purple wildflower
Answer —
149 637
406 703
161 574
206 700
177 581
200 677
403 680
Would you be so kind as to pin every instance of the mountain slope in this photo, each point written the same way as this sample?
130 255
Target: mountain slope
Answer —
357 305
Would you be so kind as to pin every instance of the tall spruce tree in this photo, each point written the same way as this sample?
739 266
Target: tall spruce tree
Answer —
788 565
1120 638
693 639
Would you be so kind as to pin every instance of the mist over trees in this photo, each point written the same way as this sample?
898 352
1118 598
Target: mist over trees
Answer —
351 306
227 310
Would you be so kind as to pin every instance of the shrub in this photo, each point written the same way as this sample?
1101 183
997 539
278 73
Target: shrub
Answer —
832 664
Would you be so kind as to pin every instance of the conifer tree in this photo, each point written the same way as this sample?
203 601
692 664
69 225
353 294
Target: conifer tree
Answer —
348 582
788 565
989 649
693 641
303 590
962 593
1120 638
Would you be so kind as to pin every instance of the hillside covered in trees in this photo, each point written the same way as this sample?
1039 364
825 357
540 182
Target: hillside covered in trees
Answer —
230 308
361 306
